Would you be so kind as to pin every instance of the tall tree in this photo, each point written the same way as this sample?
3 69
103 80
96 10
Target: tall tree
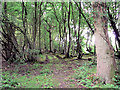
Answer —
65 31
79 46
105 53
10 45
35 26
68 52
50 35
40 14
24 19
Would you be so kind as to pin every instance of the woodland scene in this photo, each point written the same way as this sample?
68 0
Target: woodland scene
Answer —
60 44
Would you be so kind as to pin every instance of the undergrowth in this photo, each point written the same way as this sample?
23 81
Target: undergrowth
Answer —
85 76
8 82
28 80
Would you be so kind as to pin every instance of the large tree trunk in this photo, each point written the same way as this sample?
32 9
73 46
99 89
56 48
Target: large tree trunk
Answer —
104 50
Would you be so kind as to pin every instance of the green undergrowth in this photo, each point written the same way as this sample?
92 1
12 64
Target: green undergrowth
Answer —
46 69
43 78
27 81
40 81
50 57
38 75
36 66
41 57
85 76
8 82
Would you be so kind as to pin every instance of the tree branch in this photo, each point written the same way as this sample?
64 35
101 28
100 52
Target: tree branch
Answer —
85 18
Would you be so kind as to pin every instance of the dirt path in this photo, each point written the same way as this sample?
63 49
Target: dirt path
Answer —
63 75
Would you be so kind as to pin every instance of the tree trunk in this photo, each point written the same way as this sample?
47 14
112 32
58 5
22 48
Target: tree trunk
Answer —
0 44
64 30
50 35
35 26
60 37
50 38
75 32
40 27
79 46
104 50
65 35
67 54
59 26
24 22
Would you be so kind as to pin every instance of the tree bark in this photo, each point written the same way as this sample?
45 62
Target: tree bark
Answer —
50 38
75 31
35 26
64 29
50 35
79 46
104 50
24 19
67 54
40 14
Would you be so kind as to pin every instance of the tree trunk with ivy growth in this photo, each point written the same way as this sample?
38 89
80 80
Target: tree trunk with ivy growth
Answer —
104 50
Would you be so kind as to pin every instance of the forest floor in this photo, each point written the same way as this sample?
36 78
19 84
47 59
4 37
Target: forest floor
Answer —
49 72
